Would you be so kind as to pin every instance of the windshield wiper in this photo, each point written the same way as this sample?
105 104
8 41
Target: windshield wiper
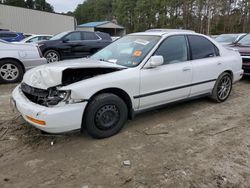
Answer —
108 61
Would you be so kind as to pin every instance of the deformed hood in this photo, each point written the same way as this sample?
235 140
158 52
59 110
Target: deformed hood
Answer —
67 72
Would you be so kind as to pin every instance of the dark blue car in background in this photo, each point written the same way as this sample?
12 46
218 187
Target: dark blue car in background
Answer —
10 36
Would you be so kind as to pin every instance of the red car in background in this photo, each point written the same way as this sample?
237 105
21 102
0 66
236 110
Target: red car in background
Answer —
243 46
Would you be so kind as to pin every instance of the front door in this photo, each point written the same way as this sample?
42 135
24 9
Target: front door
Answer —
170 81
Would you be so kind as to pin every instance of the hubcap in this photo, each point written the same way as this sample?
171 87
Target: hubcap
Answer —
52 57
107 117
224 87
9 72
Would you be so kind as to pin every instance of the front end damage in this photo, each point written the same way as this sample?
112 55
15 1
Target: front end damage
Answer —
43 101
53 95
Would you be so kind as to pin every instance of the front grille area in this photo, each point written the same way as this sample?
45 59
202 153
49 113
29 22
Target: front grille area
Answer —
246 60
38 96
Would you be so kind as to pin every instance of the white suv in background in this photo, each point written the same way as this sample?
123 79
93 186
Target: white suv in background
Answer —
15 59
133 74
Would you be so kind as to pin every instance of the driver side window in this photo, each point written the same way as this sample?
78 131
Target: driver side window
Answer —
173 49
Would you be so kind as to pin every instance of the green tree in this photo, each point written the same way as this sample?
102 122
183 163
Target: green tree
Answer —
18 3
30 4
43 5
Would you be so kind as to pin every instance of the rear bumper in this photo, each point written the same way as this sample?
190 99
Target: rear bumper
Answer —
58 119
238 75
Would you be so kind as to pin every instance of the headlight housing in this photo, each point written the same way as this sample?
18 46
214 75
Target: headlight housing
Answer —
56 96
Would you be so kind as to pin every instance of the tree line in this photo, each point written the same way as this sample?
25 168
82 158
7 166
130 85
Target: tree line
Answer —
31 4
204 16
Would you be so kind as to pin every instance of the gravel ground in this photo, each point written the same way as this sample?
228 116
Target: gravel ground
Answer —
193 144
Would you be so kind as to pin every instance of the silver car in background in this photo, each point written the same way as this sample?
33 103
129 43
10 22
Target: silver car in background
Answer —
227 39
16 59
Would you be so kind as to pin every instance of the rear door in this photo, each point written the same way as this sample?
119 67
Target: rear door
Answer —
92 43
206 62
172 80
71 45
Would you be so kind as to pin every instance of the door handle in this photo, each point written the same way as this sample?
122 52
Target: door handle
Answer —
185 69
219 63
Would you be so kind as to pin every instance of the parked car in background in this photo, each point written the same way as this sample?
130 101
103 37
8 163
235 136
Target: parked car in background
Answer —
73 44
16 59
115 38
226 39
214 36
133 74
243 46
11 36
36 38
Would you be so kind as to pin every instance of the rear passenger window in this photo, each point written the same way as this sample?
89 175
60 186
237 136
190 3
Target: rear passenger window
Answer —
202 47
90 36
173 50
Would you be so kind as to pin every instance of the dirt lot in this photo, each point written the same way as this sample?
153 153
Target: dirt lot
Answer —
194 144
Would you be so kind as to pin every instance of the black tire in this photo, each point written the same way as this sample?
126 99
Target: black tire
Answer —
11 71
223 84
52 56
105 116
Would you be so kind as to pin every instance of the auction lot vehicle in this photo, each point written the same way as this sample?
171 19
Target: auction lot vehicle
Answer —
11 36
243 46
15 59
75 44
226 39
36 38
135 73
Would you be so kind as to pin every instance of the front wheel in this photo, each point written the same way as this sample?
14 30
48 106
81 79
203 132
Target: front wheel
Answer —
10 71
222 88
105 116
52 56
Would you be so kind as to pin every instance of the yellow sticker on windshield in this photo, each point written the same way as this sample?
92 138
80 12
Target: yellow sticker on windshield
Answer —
137 53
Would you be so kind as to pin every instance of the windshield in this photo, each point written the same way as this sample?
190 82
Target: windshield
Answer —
59 35
229 38
128 51
245 40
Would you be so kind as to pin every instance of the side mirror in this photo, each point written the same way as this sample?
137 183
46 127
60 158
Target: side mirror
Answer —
155 61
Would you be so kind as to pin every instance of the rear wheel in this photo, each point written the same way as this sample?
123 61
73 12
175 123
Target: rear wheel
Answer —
105 116
52 56
10 71
222 88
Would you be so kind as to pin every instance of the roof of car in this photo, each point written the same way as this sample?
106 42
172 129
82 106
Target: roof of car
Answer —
93 24
163 32
169 30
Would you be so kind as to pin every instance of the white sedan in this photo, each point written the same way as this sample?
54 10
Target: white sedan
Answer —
136 73
36 38
15 59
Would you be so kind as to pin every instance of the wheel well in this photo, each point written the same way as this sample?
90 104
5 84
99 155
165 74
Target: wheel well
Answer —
231 73
14 59
120 93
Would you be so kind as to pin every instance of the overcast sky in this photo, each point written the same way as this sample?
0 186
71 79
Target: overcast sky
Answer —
64 5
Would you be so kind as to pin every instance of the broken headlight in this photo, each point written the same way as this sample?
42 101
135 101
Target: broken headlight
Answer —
56 96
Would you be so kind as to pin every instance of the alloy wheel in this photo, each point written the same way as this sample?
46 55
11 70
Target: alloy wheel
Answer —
9 72
52 57
224 87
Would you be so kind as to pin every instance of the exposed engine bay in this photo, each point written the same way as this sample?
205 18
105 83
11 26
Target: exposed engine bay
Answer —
73 75
53 96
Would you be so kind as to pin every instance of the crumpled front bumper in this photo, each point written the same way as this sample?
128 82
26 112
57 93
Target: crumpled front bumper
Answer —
57 119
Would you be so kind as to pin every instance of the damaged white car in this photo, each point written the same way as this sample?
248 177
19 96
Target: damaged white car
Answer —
135 73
